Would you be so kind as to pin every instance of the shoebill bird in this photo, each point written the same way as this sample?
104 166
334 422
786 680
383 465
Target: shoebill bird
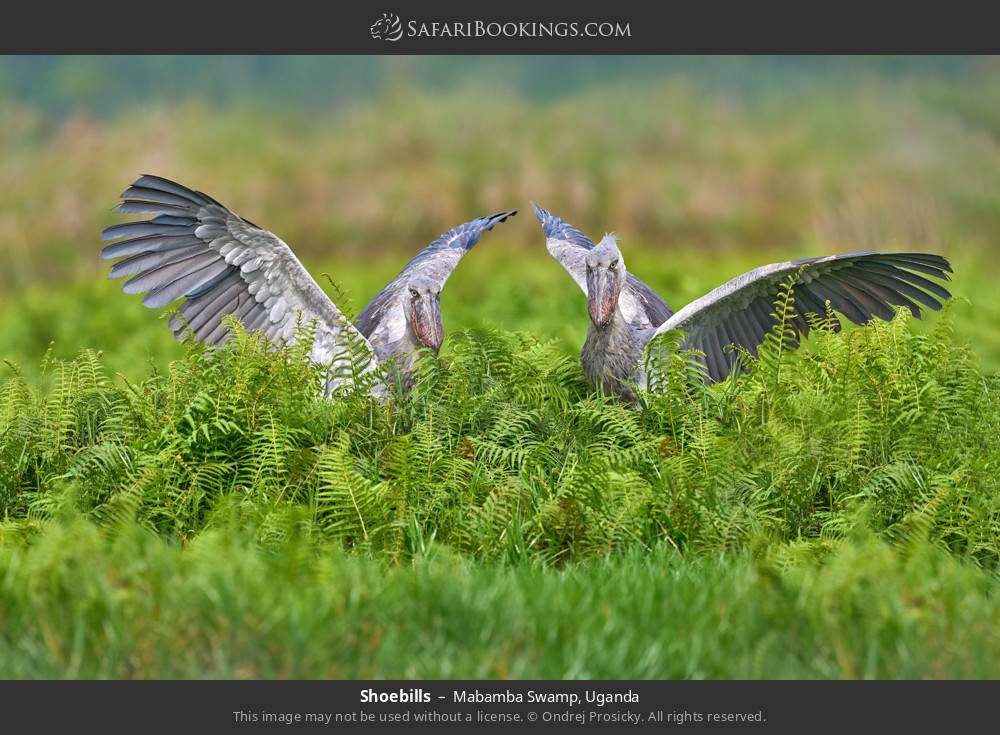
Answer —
625 314
197 249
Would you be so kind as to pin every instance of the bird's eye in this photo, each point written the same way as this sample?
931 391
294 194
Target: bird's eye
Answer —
413 293
614 265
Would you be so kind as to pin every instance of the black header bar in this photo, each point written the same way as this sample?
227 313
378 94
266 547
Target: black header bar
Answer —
445 27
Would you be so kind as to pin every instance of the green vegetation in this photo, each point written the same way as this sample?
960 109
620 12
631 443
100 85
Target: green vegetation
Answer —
501 451
80 604
779 524
171 512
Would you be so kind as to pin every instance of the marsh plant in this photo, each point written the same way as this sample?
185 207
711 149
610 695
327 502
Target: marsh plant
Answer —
501 451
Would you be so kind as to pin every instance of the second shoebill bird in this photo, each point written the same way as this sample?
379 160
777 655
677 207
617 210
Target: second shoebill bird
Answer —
221 264
861 286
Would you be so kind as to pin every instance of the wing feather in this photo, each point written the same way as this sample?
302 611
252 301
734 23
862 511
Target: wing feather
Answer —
221 264
901 287
380 321
861 286
639 303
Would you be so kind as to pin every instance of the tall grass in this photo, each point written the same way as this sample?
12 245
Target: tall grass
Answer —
80 603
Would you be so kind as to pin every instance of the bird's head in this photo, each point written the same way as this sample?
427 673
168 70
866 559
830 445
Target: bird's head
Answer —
423 310
605 279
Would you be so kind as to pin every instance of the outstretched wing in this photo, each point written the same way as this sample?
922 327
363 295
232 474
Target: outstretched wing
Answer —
197 249
639 303
382 320
860 286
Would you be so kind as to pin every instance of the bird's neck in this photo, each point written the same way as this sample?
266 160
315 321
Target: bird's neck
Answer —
406 349
612 355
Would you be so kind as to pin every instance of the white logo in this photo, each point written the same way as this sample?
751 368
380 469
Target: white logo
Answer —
387 28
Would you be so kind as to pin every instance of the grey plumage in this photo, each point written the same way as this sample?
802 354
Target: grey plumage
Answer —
569 246
222 264
381 320
611 356
861 286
